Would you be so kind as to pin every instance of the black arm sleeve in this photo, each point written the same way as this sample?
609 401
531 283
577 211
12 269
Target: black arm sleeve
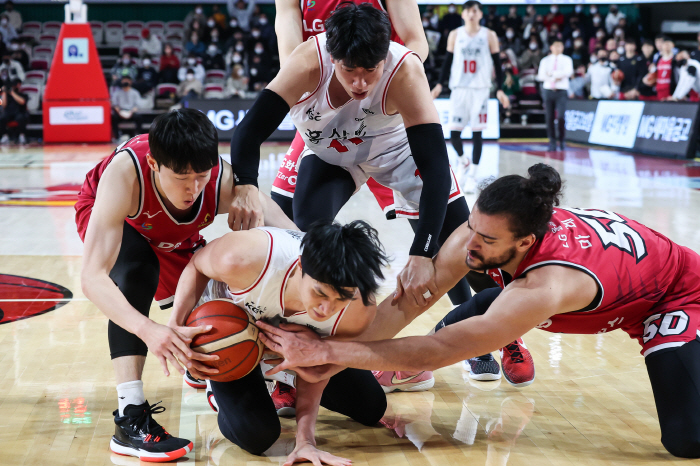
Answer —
429 151
260 122
445 70
496 57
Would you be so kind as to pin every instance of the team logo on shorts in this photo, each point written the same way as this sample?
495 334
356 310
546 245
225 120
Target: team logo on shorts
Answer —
24 297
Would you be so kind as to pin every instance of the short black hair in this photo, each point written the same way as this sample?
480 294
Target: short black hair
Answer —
471 3
556 39
344 256
528 202
358 35
184 139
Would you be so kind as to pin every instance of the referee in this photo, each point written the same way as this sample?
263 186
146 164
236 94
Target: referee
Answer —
554 73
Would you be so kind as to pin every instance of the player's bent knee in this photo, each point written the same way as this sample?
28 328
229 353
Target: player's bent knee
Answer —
254 441
136 276
682 445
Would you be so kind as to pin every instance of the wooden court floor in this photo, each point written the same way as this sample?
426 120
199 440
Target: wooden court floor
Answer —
590 404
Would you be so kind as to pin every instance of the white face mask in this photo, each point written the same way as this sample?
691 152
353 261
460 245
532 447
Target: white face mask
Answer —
190 77
198 11
452 9
126 61
191 61
578 44
618 32
621 50
578 9
600 35
594 59
233 24
426 23
211 23
146 62
594 10
554 10
212 50
258 50
262 21
237 58
533 46
14 46
596 20
255 34
239 48
253 71
3 22
575 34
510 34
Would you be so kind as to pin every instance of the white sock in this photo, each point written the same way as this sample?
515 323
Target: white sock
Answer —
130 393
472 170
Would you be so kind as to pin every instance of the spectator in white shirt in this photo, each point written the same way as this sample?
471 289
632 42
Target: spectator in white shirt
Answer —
191 64
689 76
554 73
13 15
242 12
6 29
150 44
600 77
613 18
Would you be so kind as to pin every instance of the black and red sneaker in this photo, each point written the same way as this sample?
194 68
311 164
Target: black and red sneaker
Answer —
285 399
210 397
194 382
518 367
137 434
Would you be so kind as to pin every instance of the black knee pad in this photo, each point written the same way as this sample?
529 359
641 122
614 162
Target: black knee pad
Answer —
372 411
682 445
254 441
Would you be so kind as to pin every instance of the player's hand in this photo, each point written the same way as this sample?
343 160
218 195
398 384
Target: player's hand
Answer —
416 282
317 373
173 345
299 345
437 90
306 451
246 210
194 365
503 98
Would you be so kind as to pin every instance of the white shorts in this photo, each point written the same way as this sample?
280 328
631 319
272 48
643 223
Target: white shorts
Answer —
468 108
399 173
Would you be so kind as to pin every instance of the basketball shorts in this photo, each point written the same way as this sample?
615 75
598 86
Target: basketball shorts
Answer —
468 107
286 178
171 263
400 174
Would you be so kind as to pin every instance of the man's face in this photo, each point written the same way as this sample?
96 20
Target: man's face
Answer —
602 56
358 82
512 11
181 189
321 301
658 42
647 50
667 47
630 49
472 15
490 242
557 48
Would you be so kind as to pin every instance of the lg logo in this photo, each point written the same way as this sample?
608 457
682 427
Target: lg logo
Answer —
316 25
224 120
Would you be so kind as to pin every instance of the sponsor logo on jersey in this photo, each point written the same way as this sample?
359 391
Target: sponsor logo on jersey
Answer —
207 221
148 214
146 226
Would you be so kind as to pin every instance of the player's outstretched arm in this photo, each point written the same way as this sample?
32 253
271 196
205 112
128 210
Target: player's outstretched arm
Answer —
406 21
288 28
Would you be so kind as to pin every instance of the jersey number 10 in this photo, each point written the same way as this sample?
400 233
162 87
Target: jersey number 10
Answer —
470 66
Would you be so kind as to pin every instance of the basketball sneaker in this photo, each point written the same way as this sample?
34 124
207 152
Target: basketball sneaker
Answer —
483 367
404 381
285 399
194 382
210 397
137 434
518 367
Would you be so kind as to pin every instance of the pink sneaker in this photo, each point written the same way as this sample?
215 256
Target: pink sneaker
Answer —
405 381
517 363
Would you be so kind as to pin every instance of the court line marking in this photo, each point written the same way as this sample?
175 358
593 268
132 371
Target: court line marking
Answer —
31 300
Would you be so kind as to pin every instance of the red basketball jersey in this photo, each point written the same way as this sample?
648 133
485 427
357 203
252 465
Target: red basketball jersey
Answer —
152 219
315 12
640 274
664 69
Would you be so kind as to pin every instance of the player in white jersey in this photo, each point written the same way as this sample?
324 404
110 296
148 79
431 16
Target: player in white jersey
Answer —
326 280
472 57
364 108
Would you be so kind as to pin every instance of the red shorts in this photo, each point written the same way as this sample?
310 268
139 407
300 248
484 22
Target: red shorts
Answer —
286 179
171 263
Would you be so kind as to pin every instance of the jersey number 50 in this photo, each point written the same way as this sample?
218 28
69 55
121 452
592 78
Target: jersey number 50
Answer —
470 66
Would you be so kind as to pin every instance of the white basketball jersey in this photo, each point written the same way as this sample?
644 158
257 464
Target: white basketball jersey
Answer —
264 299
358 130
472 65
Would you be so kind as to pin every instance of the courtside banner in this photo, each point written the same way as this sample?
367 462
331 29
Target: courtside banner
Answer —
668 129
227 114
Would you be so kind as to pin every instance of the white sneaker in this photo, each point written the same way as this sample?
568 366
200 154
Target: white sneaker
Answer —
469 186
22 139
5 140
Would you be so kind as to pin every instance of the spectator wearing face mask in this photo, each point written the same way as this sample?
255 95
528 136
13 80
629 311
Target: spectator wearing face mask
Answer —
227 35
150 44
14 104
8 32
18 54
237 83
169 65
531 57
208 27
450 20
577 85
253 39
579 53
215 38
190 87
600 77
536 29
194 46
191 64
124 67
514 21
234 58
196 15
554 17
13 15
580 16
125 107
146 76
213 60
689 78
597 23
530 16
258 51
633 66
242 12
512 42
259 70
597 41
267 32
613 18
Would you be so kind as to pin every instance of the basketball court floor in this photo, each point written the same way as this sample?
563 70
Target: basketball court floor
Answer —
591 402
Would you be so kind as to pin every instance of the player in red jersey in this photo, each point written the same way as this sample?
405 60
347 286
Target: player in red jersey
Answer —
573 271
139 213
298 20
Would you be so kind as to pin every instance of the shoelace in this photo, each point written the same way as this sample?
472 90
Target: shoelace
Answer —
144 423
284 389
515 352
485 357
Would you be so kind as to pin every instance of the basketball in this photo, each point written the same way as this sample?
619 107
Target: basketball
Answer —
650 78
618 76
233 337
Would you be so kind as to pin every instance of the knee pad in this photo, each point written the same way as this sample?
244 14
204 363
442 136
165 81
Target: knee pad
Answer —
254 442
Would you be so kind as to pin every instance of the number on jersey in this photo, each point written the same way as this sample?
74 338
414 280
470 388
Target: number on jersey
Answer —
613 230
470 66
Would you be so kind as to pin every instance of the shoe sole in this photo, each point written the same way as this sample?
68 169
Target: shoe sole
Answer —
195 385
521 384
147 456
484 376
410 387
211 404
287 412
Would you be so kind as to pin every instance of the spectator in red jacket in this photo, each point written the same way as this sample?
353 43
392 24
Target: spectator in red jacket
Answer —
554 17
169 64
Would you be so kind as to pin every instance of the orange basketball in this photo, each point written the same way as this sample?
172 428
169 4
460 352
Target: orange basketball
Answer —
618 76
233 337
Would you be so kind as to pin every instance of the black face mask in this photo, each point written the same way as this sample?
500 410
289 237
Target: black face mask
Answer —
682 62
123 85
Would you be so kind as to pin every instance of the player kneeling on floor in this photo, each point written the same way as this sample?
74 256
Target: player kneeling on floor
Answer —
325 280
